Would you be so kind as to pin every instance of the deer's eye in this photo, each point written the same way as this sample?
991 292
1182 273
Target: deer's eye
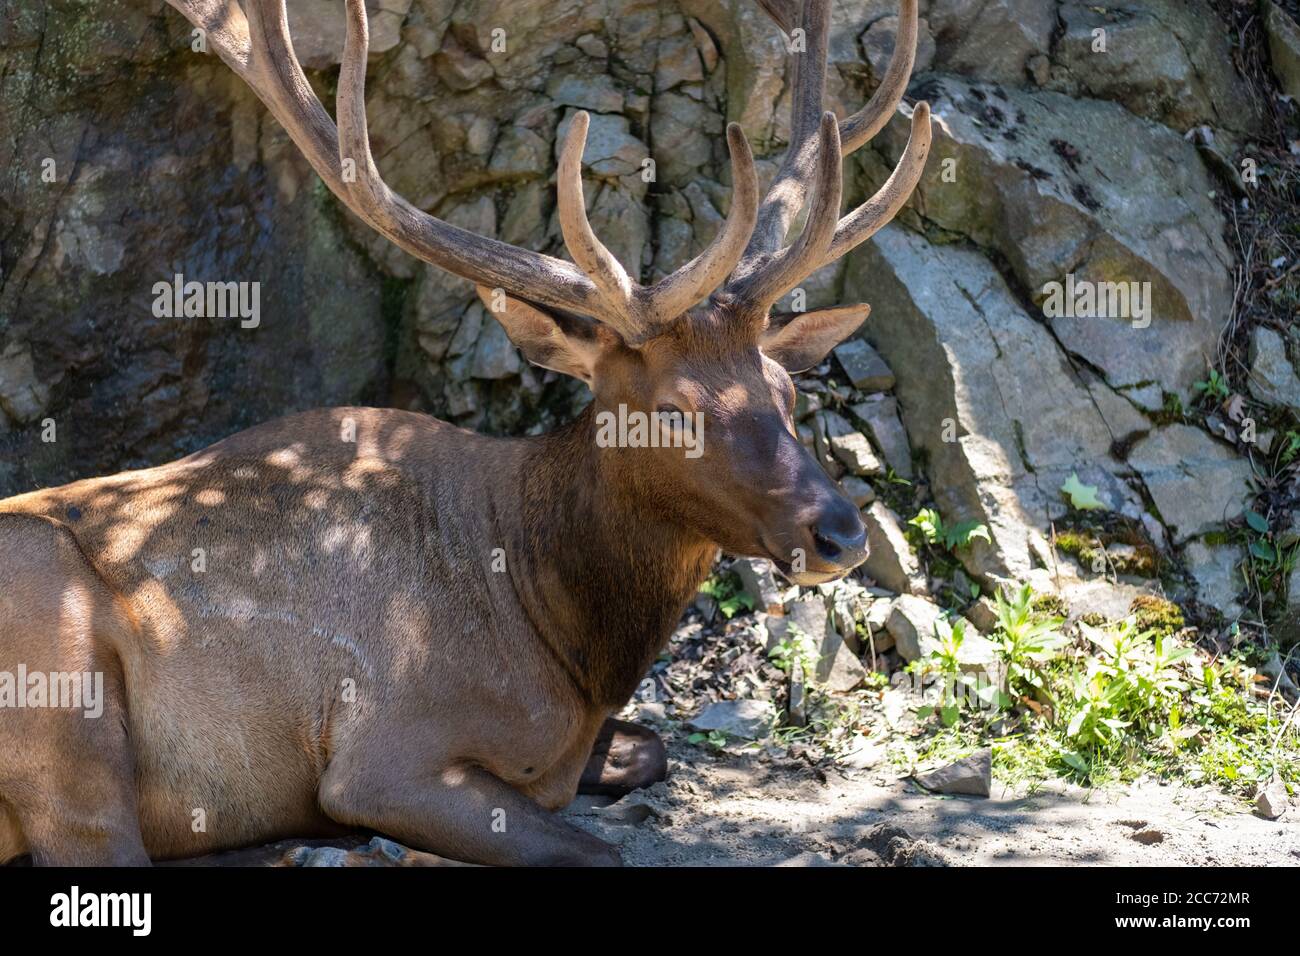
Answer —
668 408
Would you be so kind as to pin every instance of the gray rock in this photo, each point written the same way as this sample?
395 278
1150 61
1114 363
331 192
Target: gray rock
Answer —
748 719
913 622
809 615
759 581
970 776
890 561
597 93
986 395
1167 60
23 396
879 414
611 148
1216 569
983 614
1196 482
1105 196
864 366
1283 47
859 492
855 453
1272 377
318 28
991 38
1271 801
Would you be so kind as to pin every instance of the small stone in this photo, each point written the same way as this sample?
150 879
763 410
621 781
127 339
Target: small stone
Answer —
748 719
880 416
983 614
858 491
890 561
1272 378
971 776
856 453
862 754
1271 802
1040 69
593 46
864 366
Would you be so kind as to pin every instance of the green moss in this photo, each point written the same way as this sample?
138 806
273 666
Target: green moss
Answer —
1050 605
1156 614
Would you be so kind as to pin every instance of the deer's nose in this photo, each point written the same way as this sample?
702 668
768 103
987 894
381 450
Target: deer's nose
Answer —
839 535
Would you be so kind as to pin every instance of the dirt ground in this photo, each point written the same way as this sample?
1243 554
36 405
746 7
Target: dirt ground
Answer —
723 809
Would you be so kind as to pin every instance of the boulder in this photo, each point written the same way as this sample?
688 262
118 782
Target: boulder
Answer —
991 39
1283 47
1196 482
1166 60
1082 188
987 397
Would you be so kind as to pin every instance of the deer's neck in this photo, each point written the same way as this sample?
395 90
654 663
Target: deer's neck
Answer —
602 578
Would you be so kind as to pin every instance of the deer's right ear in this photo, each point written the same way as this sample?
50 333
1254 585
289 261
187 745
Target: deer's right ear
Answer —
542 340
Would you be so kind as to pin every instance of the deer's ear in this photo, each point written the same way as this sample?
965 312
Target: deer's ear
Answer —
550 341
808 337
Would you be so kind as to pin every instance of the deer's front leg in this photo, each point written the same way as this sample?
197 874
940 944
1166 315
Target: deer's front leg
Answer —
464 813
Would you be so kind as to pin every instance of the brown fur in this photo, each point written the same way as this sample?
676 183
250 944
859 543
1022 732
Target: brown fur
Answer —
329 561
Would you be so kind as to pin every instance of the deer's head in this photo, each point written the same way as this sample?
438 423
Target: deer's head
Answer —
697 357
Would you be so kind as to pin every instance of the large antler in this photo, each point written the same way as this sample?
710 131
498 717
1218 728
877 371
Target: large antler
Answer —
769 268
252 37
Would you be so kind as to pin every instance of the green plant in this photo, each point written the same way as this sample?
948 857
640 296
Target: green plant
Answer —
1292 447
717 739
1132 684
929 522
1026 640
796 647
727 591
1215 386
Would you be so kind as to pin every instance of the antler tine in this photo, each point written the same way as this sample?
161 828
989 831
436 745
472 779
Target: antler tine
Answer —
867 219
254 41
784 12
676 293
639 312
751 283
859 128
614 284
789 186
778 274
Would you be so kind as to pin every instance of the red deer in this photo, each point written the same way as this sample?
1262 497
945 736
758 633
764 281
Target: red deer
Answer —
370 619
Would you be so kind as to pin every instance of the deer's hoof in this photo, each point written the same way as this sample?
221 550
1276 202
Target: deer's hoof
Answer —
625 757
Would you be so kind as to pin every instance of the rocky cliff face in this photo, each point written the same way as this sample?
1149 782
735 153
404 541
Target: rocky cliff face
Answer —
1066 146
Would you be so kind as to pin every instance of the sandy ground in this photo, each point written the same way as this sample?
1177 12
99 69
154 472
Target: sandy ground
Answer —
720 809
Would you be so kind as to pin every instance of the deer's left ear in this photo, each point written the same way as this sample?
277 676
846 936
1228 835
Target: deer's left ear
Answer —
807 337
565 345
